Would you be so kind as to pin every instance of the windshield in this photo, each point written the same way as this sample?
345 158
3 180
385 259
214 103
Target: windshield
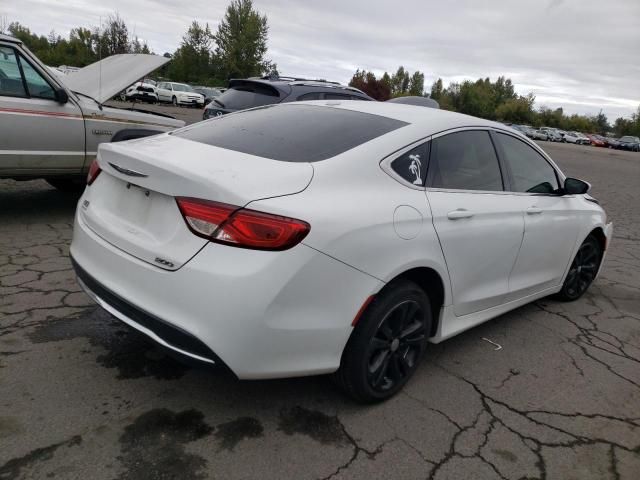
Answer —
181 87
291 133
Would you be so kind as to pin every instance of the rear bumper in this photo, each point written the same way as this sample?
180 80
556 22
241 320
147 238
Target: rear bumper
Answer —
167 335
262 314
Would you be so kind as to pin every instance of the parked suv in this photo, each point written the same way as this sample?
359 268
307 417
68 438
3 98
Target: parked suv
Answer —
179 94
51 125
255 92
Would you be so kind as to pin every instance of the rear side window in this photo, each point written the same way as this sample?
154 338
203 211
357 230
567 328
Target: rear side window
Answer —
310 96
291 132
337 96
412 165
530 172
248 96
464 161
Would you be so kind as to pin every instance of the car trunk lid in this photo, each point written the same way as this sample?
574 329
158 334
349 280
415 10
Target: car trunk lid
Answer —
132 203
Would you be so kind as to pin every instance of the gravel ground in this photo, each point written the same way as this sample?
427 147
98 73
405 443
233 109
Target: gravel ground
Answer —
82 396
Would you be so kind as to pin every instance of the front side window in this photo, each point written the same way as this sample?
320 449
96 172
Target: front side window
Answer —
412 165
530 172
464 161
38 86
10 77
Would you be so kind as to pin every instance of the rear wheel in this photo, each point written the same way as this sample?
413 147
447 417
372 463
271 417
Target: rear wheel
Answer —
387 343
583 270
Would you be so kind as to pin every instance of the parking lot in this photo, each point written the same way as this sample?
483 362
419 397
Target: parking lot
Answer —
551 390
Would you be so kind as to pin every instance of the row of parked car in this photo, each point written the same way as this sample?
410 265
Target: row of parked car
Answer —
176 93
549 134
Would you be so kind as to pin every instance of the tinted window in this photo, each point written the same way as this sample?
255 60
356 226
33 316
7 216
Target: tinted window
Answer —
10 77
336 96
464 161
310 96
38 86
247 96
412 165
293 132
530 172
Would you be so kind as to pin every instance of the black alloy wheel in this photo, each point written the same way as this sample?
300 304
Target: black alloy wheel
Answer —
387 343
583 270
396 345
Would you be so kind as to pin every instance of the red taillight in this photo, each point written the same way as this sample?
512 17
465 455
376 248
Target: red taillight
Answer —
231 225
94 171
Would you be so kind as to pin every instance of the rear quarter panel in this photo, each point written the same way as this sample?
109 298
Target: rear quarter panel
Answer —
350 205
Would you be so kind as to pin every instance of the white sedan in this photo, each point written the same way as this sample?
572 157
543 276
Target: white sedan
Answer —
179 94
574 137
339 236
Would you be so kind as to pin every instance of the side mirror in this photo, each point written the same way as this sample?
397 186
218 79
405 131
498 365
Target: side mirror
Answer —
573 186
61 95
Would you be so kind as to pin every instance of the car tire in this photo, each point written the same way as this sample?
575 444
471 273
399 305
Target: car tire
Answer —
174 101
386 344
582 271
68 185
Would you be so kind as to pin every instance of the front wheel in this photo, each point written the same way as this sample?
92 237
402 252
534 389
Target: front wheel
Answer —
583 270
387 343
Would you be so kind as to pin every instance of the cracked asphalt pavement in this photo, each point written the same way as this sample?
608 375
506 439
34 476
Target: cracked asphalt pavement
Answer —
84 397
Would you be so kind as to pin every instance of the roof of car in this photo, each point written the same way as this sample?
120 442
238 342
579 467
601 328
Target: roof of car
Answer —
284 84
431 120
8 38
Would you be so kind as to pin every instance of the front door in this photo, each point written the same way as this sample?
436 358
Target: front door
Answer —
550 222
40 136
479 227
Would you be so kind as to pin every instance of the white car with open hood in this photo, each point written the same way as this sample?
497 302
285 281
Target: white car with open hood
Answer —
333 236
52 124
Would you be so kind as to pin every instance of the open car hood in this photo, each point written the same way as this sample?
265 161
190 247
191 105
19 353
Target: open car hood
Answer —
104 79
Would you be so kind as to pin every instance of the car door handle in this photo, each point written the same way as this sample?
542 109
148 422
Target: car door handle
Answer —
459 213
533 210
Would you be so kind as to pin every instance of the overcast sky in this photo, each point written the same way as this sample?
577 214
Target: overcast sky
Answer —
582 55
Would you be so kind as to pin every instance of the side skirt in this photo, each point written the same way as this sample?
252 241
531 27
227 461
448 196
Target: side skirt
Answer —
451 325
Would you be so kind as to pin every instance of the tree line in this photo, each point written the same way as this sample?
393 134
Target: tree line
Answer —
237 49
493 100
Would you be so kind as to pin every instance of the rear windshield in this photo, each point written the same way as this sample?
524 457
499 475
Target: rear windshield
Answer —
247 96
291 133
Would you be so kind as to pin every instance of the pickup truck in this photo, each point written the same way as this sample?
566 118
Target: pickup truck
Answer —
51 123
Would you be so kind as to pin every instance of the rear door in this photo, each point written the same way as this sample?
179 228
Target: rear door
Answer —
39 136
551 221
164 92
479 227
